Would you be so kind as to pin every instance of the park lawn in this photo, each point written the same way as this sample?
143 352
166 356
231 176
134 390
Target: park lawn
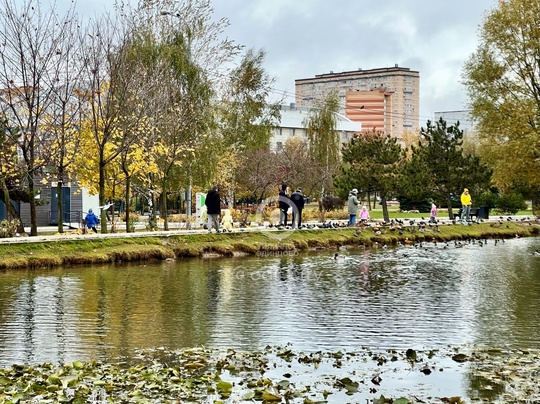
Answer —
99 250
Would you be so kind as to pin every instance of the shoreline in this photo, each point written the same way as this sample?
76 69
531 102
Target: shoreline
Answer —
68 249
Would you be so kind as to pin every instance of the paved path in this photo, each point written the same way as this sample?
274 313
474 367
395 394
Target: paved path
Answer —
173 231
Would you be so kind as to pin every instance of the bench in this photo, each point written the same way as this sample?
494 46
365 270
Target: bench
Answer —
472 213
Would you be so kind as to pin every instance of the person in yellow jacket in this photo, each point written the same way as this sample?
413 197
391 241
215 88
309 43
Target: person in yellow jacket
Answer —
466 206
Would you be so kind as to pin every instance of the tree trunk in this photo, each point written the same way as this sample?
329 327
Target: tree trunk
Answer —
164 214
153 211
450 211
386 216
102 197
322 212
230 197
33 214
7 200
128 186
59 204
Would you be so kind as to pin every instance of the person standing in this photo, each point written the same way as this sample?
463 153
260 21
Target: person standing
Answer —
353 206
364 214
213 208
91 220
433 214
466 203
297 199
284 205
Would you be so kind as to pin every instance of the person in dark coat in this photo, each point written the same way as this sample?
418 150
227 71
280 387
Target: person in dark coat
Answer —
297 199
284 205
91 220
213 208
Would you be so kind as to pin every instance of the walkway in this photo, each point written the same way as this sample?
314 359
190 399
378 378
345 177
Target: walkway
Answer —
175 230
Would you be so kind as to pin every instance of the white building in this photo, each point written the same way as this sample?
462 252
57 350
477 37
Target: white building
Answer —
464 118
293 124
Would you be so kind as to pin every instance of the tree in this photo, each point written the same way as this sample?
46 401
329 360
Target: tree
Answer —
502 79
324 142
247 119
10 173
258 174
104 64
245 115
293 165
63 119
32 40
374 162
185 58
439 169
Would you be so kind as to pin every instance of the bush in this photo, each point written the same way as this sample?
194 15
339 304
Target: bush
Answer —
132 216
511 203
331 203
487 199
8 228
409 204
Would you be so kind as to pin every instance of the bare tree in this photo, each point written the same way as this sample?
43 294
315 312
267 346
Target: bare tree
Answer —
30 39
64 118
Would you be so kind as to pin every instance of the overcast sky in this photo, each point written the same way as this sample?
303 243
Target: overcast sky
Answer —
303 38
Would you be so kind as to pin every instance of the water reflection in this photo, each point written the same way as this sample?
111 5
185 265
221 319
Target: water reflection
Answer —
386 298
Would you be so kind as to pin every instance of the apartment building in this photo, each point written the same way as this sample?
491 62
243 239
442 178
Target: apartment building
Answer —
384 99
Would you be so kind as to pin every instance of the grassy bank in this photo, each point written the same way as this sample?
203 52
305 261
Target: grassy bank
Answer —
108 250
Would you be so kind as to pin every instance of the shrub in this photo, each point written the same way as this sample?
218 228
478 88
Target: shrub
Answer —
331 203
8 228
487 199
511 203
409 204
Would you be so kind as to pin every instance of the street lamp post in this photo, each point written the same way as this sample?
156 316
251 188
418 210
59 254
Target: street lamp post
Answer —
188 189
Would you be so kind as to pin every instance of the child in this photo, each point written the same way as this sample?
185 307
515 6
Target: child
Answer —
433 214
227 221
364 214
91 220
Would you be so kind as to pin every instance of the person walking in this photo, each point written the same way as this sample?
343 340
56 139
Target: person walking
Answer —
353 207
213 208
297 199
433 214
284 205
364 214
466 203
91 220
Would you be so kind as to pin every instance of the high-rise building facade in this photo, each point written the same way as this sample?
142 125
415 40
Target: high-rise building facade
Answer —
385 99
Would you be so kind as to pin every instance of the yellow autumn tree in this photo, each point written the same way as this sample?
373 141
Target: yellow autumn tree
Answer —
502 82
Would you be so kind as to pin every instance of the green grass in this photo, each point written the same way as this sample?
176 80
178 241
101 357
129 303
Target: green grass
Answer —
108 250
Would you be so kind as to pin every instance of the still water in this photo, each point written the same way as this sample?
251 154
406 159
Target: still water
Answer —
400 298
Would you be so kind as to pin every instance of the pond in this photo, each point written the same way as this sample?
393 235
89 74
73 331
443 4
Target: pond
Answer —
432 296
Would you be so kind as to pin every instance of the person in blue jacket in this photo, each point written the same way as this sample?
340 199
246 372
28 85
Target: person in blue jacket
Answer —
91 220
